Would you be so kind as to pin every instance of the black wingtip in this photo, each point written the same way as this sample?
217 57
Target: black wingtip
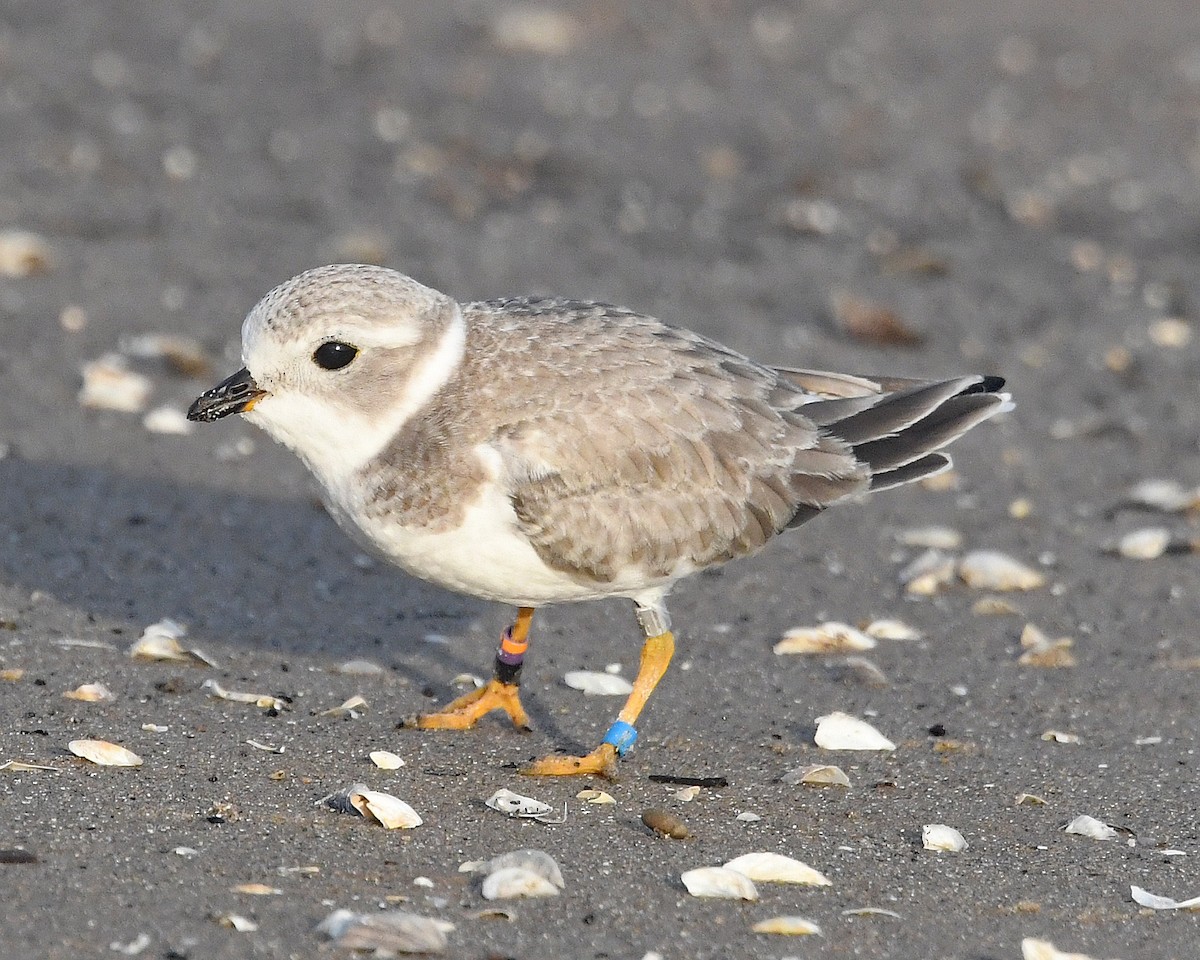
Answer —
987 384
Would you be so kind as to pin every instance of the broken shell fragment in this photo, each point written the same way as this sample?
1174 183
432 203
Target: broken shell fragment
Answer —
665 823
1166 496
393 931
686 794
169 421
509 883
928 574
992 570
787 926
104 754
109 384
160 642
1041 651
516 805
257 890
1029 799
385 760
939 836
235 921
1090 827
840 731
23 253
1060 736
818 775
392 812
829 637
1155 902
776 868
359 668
595 796
720 883
1044 950
886 629
1148 543
262 700
598 684
352 709
992 606
931 538
533 861
90 693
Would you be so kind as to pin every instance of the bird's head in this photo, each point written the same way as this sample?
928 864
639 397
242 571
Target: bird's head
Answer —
337 359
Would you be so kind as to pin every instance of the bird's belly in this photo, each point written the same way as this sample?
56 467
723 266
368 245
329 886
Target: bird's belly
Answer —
485 556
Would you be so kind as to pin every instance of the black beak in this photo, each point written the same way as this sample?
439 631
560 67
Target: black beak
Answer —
235 394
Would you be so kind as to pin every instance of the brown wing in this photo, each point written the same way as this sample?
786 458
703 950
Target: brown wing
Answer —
651 449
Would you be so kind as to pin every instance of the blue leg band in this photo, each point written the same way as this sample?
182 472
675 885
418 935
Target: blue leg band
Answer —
622 736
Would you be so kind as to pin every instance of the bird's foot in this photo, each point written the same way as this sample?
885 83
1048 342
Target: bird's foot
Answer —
601 762
463 713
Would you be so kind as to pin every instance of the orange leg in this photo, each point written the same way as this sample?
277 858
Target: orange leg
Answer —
502 692
656 655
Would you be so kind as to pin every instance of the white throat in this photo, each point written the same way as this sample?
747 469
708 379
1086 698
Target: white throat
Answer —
335 442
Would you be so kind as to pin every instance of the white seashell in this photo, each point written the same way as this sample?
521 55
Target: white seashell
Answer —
90 693
928 573
818 775
472 680
747 816
1029 799
938 836
516 805
23 253
787 926
1090 827
992 570
258 890
263 700
871 912
892 630
1041 651
534 861
776 868
360 668
1167 496
686 794
185 355
155 727
595 796
385 760
931 538
1059 736
235 921
1146 544
1155 902
719 882
352 708
862 671
385 933
20 766
1044 950
598 684
829 637
109 384
392 812
160 642
840 731
104 754
168 420
508 883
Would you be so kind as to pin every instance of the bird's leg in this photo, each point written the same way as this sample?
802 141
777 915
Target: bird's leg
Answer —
656 656
502 692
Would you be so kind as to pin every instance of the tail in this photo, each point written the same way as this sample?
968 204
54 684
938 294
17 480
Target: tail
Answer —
895 427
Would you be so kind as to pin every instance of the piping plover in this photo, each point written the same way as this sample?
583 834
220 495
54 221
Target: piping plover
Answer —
538 451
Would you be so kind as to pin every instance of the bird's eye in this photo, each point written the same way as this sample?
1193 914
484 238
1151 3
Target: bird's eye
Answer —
333 355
